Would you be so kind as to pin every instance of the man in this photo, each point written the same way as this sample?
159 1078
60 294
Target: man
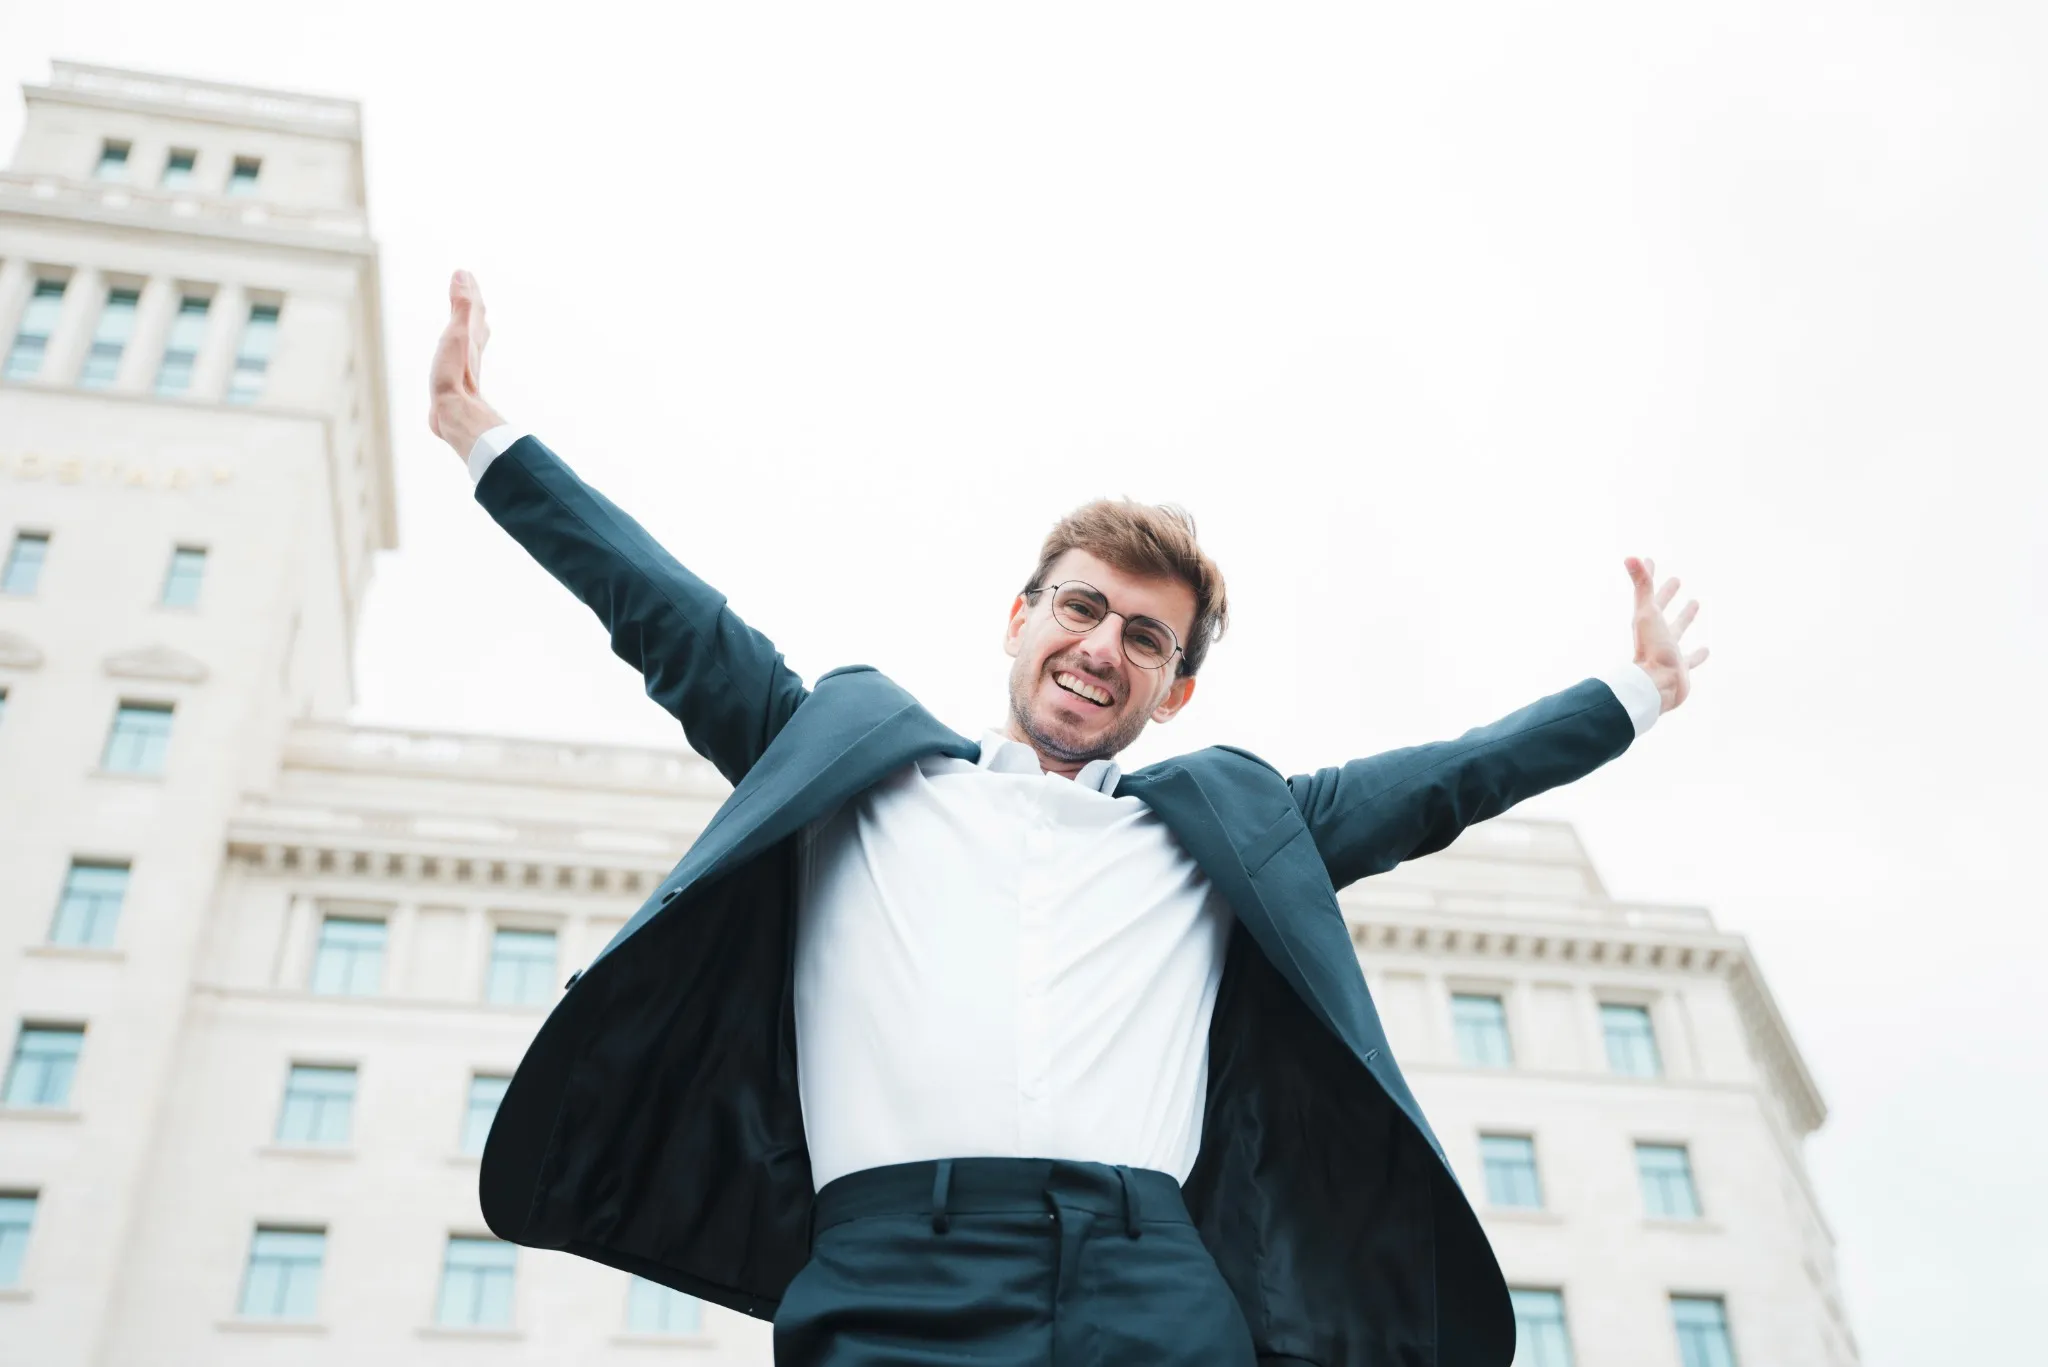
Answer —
944 1051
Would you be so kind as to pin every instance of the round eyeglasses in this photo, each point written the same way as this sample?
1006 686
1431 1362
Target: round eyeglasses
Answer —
1080 607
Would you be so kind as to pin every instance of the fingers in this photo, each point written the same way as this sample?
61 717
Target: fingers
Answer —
1639 576
1667 593
1696 659
1685 616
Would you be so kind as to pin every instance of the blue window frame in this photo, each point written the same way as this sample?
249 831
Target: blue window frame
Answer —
17 1218
178 168
652 1308
283 1280
89 908
140 735
182 579
110 339
319 1101
476 1283
349 959
1510 1163
242 179
113 162
45 1061
1481 1026
32 334
252 357
1702 1326
181 345
1631 1042
522 967
25 563
485 1092
1665 1171
1541 1339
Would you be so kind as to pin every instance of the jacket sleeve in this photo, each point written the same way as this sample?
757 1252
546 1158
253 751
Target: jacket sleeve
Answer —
724 681
1371 814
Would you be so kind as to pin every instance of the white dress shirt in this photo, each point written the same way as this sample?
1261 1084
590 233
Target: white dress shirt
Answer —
996 961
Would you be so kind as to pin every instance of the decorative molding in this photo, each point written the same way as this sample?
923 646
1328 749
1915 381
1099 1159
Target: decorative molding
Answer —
534 873
156 662
18 652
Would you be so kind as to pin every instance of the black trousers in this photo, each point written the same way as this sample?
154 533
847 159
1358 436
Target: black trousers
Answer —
1008 1262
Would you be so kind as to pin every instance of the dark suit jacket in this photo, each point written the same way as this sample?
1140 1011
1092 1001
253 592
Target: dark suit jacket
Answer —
654 1123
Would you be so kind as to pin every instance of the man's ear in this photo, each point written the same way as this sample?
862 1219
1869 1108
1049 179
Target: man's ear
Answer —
1013 631
1176 698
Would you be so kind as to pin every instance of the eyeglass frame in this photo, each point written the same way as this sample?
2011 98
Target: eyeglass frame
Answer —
1108 612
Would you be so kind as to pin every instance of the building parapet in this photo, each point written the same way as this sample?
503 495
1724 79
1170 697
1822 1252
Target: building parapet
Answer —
502 759
126 205
214 100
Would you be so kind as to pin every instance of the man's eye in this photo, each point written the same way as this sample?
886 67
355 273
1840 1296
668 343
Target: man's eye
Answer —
1145 640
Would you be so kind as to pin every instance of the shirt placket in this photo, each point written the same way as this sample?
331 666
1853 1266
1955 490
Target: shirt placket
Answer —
1035 886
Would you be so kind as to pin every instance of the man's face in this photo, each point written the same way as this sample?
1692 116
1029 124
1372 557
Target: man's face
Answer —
1050 660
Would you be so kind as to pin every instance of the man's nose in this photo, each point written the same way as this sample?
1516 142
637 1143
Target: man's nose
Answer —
1104 645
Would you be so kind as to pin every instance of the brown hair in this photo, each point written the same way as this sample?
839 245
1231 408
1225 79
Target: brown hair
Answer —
1152 540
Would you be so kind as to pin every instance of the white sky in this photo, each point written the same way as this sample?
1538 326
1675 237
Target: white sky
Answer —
1430 317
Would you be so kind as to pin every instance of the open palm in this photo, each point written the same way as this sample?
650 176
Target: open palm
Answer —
1657 637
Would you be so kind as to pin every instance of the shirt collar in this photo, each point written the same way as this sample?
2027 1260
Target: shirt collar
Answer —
1001 755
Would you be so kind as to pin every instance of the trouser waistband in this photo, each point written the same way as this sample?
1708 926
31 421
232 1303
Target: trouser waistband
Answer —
947 1187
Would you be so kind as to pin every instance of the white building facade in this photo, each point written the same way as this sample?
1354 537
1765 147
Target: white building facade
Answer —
263 972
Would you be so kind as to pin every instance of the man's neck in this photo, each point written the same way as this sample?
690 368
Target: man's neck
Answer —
1063 768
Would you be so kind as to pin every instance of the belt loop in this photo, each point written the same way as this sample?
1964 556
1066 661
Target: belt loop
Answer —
1123 1179
942 1183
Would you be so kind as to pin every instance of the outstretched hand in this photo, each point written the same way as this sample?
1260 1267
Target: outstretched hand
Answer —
1657 649
456 411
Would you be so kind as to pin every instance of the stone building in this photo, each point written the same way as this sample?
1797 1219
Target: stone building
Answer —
263 972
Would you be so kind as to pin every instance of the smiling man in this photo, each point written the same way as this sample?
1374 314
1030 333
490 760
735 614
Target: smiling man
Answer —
938 1050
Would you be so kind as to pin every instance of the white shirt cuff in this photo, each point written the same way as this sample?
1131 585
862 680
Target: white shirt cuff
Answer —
1635 691
489 447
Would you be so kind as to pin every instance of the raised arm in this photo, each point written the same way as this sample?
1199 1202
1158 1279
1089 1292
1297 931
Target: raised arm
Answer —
1371 814
724 681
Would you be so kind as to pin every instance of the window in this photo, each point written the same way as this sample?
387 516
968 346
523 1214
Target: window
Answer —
476 1283
1540 1337
252 358
522 967
1631 1044
1481 1025
652 1308
485 1092
1666 1174
32 338
17 1216
113 163
181 345
349 960
90 906
283 1281
25 563
1510 1161
109 339
1702 1325
178 168
318 1102
141 734
242 180
45 1058
181 581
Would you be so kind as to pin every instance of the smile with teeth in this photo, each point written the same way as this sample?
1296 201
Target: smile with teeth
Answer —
1082 688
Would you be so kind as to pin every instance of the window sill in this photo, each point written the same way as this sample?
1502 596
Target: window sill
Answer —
103 954
127 775
458 1331
254 1326
16 1293
1523 1215
631 1340
465 1160
59 1114
324 1152
1693 1226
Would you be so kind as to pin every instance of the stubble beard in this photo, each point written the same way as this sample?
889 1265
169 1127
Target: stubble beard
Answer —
1023 691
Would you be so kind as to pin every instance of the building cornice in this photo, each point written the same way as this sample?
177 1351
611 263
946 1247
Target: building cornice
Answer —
244 222
503 759
239 106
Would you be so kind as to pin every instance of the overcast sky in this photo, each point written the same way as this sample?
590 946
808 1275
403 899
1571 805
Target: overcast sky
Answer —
1430 317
